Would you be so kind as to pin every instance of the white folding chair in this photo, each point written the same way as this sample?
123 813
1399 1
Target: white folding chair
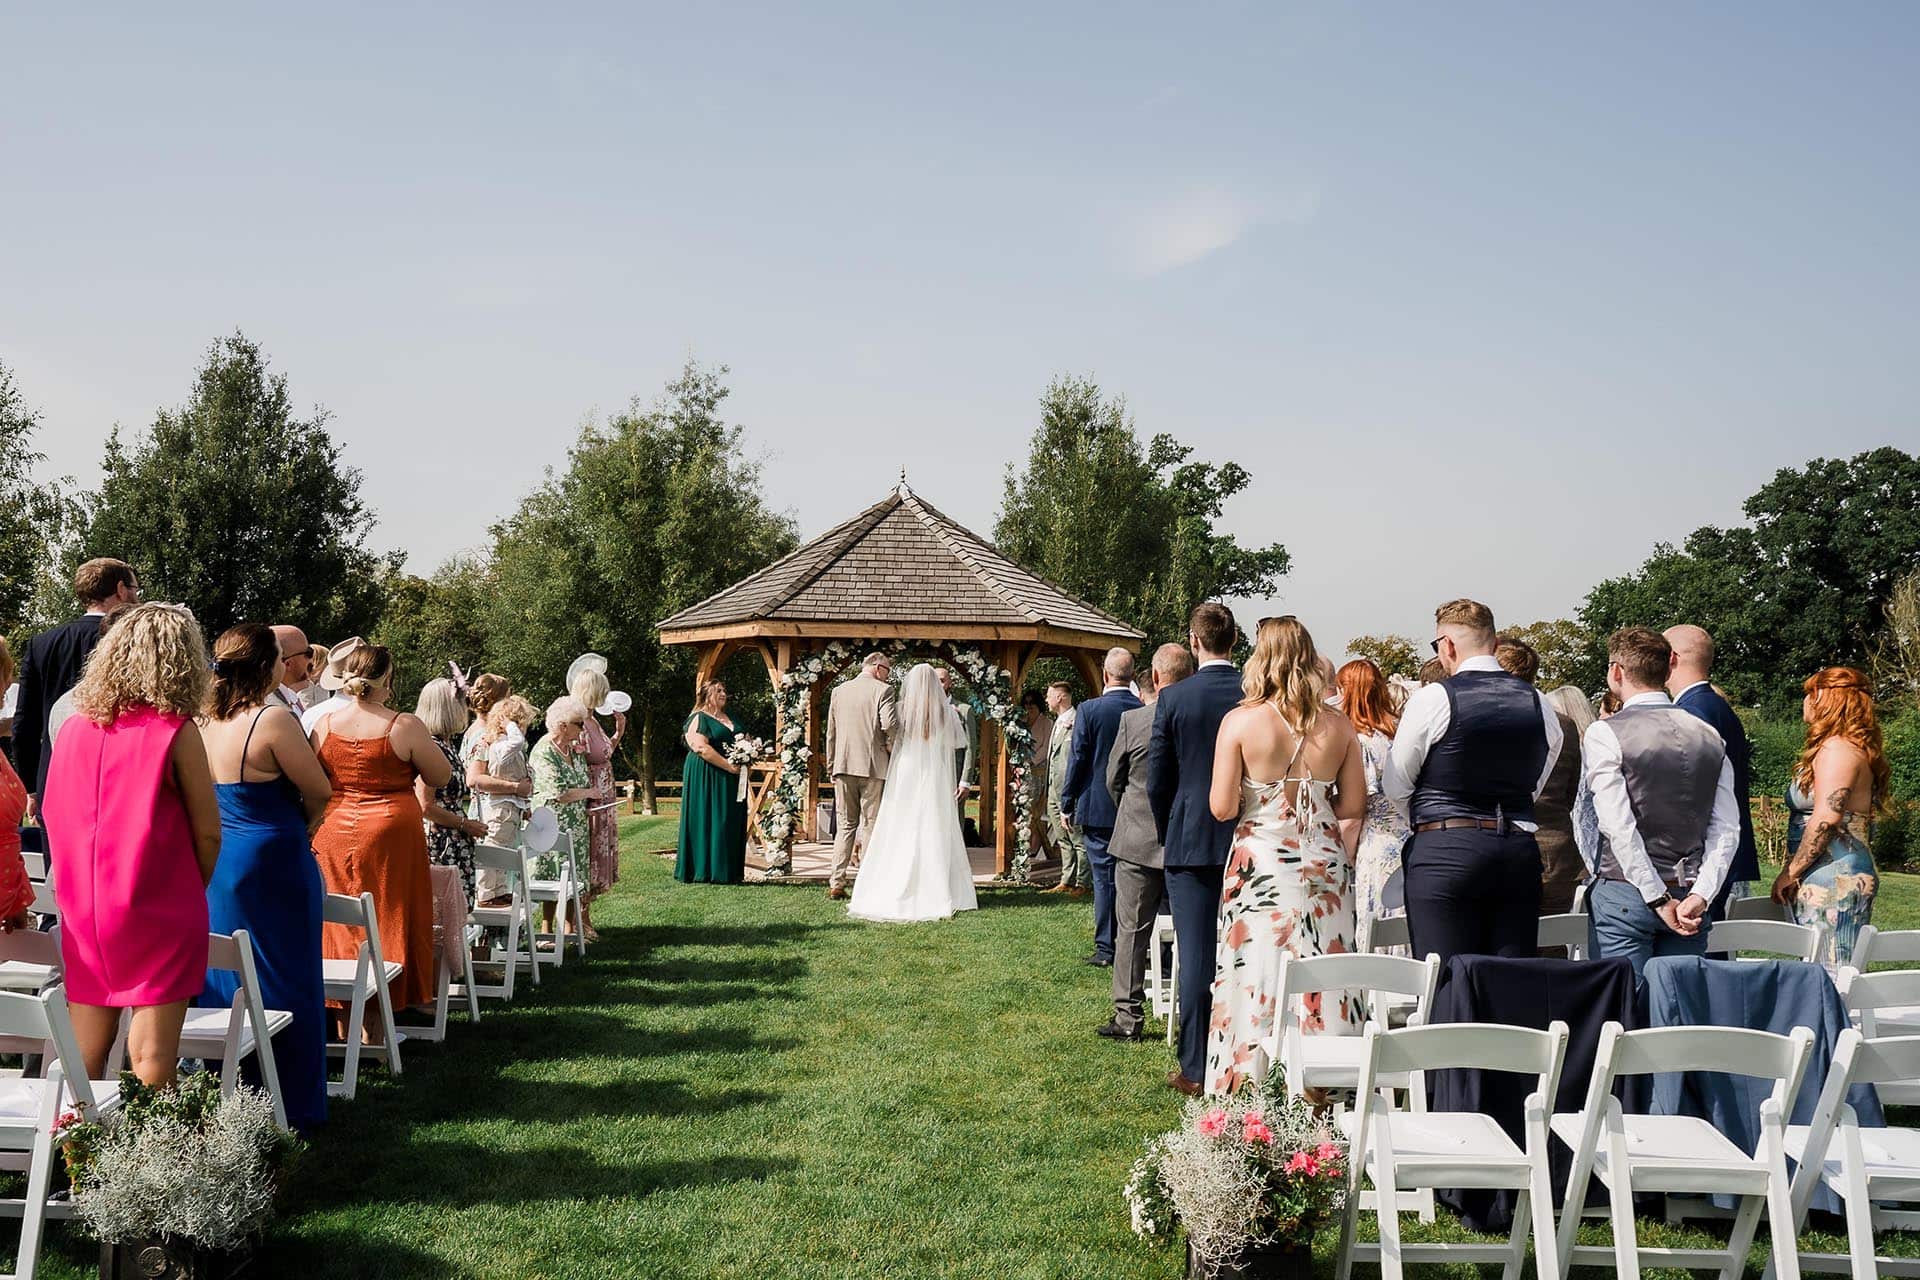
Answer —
1163 954
445 981
1886 946
1392 931
1774 938
1884 1004
1334 1062
1758 909
1571 930
1869 1165
1634 1154
567 897
1400 1151
244 1029
368 974
514 920
1579 907
30 1108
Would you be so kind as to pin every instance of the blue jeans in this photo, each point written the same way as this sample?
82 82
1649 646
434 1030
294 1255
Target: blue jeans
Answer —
1620 923
1102 863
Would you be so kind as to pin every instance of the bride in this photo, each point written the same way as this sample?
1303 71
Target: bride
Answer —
915 866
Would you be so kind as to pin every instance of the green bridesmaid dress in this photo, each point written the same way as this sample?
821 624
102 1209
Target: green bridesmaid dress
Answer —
713 822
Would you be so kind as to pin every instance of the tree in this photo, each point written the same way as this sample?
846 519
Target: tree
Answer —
1805 586
1394 655
430 622
237 507
1896 650
1566 653
657 509
1129 529
36 519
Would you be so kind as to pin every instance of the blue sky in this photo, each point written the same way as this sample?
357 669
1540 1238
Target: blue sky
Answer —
1489 298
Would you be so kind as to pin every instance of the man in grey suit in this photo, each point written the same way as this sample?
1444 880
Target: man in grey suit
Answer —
1068 843
1138 883
861 718
962 758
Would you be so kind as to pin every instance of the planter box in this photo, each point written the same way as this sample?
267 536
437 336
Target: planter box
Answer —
169 1260
1275 1262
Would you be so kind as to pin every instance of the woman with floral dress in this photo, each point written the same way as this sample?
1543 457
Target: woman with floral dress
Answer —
1367 700
601 863
560 782
1289 769
1830 877
450 832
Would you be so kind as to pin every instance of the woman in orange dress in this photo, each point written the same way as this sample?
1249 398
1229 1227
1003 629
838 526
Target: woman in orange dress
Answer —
16 892
371 839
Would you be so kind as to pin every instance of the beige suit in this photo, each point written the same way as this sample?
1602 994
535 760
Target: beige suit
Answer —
860 727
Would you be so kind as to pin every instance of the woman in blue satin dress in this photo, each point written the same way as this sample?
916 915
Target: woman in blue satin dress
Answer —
1830 877
272 791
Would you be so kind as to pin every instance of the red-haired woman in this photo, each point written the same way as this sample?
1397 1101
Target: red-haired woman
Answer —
1367 699
1829 879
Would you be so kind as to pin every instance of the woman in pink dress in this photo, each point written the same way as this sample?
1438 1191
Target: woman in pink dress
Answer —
133 825
602 866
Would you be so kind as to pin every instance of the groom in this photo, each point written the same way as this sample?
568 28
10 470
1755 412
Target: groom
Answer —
860 723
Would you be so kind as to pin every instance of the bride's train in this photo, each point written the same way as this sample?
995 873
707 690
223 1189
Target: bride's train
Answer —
915 866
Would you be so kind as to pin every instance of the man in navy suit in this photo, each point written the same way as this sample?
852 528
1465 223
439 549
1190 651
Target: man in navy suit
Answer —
1691 684
1186 720
54 661
1085 804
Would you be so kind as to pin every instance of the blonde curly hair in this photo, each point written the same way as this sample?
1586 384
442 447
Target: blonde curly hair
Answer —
154 656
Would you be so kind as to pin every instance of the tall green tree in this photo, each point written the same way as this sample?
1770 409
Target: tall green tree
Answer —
1394 655
1566 653
1804 585
1129 527
36 518
658 508
239 507
429 622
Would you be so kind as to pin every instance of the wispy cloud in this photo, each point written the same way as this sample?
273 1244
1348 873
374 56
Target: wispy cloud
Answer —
1181 229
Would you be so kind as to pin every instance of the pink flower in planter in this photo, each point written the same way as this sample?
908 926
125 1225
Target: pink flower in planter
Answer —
1302 1162
1257 1130
1325 1152
1213 1123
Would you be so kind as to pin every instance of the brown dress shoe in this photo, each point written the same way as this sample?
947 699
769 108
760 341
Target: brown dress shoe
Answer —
1180 1084
836 893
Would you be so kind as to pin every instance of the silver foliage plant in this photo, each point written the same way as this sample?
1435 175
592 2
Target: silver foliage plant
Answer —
211 1184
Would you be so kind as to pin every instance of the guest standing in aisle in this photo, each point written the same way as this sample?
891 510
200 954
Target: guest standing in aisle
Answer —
1085 805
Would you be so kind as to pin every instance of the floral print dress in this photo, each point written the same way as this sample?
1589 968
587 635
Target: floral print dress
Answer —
445 846
554 771
1382 838
1288 891
1836 894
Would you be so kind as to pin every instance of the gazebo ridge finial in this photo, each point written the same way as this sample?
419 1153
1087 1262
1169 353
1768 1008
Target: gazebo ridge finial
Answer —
904 490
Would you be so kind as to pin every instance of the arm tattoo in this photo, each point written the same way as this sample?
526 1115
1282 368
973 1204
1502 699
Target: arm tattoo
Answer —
1820 834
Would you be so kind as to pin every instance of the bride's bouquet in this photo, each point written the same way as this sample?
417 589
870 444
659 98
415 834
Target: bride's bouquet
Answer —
744 752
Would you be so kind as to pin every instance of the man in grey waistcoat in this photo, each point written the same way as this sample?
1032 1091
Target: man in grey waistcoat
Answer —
1139 884
1669 823
1075 876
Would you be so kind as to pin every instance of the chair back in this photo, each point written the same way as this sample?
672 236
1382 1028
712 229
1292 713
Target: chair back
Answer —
36 864
1866 994
1389 931
43 1019
1736 1051
234 954
1572 930
31 946
1758 909
1471 1046
1772 937
1396 975
509 862
1885 946
1579 907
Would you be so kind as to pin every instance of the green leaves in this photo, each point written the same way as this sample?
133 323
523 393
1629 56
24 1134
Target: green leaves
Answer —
1127 528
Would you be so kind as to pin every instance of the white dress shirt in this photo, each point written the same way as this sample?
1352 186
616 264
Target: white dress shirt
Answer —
319 711
1600 761
1426 719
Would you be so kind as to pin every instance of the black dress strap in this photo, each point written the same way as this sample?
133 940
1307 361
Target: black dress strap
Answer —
247 746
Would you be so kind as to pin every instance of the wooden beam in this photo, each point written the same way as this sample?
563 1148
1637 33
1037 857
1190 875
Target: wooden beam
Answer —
898 629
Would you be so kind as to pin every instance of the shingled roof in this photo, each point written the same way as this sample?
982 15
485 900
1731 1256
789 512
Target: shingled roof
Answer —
898 562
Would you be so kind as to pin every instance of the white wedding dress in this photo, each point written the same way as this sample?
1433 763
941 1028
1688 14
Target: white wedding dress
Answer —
915 866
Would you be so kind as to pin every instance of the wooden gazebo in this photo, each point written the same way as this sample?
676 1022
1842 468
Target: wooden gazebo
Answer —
900 572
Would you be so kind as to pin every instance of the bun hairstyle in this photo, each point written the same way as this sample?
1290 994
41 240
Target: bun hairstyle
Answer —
1841 706
243 662
366 669
484 691
1285 670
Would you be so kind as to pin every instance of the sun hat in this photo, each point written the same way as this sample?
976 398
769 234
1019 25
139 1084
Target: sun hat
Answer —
335 674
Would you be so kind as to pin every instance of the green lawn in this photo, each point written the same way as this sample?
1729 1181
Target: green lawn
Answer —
741 1083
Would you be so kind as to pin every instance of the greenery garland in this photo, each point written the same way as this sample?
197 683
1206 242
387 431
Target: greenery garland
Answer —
989 690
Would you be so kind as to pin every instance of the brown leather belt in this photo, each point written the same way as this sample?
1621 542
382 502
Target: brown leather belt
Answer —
1461 824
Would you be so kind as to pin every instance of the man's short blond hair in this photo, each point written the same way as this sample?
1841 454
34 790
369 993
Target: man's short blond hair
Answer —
1469 615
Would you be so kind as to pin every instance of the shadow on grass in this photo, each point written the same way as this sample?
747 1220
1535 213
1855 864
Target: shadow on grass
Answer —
683 935
461 1175
562 1102
351 1256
